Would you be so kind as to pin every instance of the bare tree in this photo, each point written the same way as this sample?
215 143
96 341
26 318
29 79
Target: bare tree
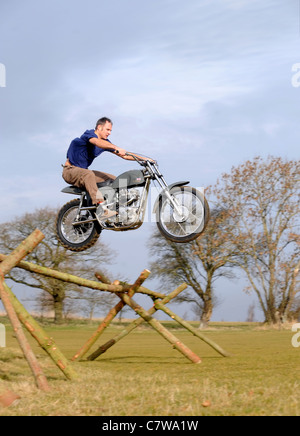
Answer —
251 313
262 198
93 300
198 263
51 254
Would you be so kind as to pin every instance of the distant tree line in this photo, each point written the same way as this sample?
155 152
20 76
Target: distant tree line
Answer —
253 230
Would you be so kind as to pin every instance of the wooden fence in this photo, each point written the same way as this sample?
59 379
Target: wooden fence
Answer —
19 316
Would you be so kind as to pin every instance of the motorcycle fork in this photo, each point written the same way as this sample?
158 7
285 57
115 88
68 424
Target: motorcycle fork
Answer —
163 184
142 207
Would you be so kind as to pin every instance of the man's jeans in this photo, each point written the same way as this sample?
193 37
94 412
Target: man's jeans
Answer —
86 179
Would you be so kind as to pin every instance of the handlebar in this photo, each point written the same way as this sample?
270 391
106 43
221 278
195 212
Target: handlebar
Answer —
139 158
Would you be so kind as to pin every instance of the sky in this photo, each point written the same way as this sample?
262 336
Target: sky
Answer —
201 86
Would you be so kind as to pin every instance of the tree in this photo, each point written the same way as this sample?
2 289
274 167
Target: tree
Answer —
51 254
251 313
198 263
262 198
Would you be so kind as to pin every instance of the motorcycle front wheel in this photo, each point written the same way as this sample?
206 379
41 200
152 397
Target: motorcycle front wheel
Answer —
78 237
188 220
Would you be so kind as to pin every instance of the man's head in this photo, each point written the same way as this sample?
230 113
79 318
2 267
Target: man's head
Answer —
103 127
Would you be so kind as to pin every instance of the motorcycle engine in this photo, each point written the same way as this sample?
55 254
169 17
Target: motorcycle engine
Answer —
128 196
128 206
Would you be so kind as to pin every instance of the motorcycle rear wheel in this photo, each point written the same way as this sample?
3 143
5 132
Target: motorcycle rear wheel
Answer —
80 237
191 220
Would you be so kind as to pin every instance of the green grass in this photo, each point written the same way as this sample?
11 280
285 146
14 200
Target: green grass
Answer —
143 375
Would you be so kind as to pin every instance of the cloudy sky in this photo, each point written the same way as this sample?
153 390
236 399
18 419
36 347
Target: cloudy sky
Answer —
200 85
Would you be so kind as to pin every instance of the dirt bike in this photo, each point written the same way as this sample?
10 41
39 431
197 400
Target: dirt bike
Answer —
182 212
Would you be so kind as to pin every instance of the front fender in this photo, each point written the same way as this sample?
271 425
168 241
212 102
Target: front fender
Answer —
169 187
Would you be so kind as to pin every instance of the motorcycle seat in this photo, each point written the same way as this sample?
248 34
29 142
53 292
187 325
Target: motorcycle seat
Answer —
107 182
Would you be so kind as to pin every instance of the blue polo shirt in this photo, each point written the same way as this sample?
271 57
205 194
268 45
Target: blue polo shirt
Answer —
81 152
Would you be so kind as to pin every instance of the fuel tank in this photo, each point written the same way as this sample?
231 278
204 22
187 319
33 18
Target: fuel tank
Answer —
129 179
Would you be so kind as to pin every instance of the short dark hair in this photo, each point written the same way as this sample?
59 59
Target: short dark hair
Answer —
103 121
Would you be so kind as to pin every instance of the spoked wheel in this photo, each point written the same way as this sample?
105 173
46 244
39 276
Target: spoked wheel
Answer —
188 220
76 237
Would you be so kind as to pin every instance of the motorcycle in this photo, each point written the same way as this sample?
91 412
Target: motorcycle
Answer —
182 212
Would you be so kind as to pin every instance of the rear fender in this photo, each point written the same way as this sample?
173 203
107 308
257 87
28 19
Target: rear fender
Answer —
73 190
169 187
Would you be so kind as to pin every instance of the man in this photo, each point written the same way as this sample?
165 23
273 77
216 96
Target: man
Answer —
80 155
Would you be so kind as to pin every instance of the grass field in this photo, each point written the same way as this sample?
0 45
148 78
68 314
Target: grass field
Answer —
142 375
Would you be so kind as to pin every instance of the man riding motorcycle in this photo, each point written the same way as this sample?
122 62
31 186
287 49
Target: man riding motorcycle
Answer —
80 155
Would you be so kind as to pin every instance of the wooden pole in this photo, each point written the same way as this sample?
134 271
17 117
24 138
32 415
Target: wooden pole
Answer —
160 306
41 337
37 372
26 246
161 329
22 250
69 278
110 316
133 325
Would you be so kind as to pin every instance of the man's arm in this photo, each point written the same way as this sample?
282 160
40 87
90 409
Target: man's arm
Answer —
106 145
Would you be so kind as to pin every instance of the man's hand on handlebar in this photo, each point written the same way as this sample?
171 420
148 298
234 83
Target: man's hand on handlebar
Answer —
120 151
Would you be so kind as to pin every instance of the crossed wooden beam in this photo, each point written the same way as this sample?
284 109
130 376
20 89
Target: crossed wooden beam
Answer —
18 315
